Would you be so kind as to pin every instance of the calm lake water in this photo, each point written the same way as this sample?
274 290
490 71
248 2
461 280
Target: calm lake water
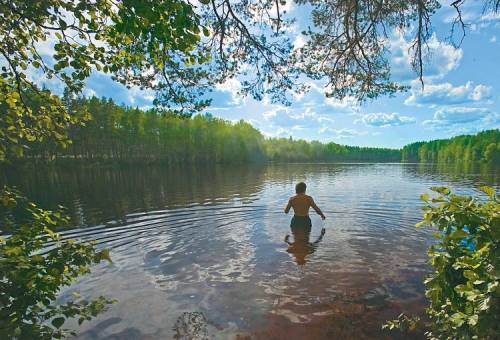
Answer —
203 248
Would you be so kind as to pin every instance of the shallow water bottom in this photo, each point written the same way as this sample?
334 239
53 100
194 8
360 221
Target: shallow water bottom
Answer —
201 253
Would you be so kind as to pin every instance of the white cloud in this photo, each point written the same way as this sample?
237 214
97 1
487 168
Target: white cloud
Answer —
46 48
490 16
447 94
443 58
286 117
232 86
341 133
299 41
88 92
481 92
493 39
387 119
465 118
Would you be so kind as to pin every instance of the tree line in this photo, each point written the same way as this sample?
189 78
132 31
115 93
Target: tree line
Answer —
115 132
122 133
484 146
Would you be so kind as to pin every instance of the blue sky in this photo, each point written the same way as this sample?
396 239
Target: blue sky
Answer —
461 94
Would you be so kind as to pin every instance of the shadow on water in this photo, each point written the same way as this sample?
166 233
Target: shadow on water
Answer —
199 249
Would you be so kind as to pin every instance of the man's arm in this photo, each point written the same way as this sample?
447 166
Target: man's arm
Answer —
317 209
288 206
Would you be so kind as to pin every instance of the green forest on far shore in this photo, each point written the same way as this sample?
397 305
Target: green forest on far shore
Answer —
122 133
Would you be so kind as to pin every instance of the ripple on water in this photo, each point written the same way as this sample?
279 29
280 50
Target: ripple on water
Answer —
212 244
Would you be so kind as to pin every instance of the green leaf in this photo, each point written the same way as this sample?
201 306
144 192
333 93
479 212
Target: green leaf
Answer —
458 319
488 191
469 274
473 320
58 322
457 234
17 331
462 288
420 224
485 304
441 190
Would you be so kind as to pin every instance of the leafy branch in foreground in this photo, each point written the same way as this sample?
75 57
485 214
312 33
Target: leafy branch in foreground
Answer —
178 49
464 288
31 276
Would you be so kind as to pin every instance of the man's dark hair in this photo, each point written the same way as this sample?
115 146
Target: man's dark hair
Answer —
300 188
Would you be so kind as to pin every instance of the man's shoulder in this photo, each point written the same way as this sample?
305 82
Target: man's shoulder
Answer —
306 197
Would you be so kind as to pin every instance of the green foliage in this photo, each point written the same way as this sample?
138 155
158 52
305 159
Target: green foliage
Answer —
127 134
404 323
31 115
31 276
485 146
123 133
176 48
492 153
290 150
464 288
126 39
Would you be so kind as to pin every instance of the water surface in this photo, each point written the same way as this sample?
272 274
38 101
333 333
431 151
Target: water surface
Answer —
204 247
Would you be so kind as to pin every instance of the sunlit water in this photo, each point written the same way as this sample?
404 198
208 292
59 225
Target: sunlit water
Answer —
210 241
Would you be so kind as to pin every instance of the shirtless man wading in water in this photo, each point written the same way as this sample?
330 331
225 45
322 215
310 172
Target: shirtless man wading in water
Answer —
301 204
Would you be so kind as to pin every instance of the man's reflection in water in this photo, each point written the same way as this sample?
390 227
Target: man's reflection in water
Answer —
301 247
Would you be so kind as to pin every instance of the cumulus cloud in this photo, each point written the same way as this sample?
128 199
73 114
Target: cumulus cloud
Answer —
442 59
386 119
341 133
281 117
490 16
231 88
102 85
447 94
299 41
316 97
302 118
465 117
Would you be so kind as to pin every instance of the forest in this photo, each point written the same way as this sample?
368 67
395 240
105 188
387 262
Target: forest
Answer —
181 50
484 146
115 132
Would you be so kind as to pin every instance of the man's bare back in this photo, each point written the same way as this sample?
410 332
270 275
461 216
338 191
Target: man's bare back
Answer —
301 204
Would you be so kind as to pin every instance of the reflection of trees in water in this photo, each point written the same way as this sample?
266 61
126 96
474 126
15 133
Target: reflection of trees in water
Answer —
293 171
97 194
477 173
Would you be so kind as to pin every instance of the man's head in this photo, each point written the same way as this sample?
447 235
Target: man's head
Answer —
300 188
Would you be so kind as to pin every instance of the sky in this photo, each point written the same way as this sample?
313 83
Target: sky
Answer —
461 93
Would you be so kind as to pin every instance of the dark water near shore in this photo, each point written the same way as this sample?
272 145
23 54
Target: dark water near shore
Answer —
210 241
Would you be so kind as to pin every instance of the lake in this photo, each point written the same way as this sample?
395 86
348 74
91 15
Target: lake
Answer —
202 249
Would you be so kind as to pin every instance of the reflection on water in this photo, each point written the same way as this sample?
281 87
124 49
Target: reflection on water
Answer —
301 246
202 249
